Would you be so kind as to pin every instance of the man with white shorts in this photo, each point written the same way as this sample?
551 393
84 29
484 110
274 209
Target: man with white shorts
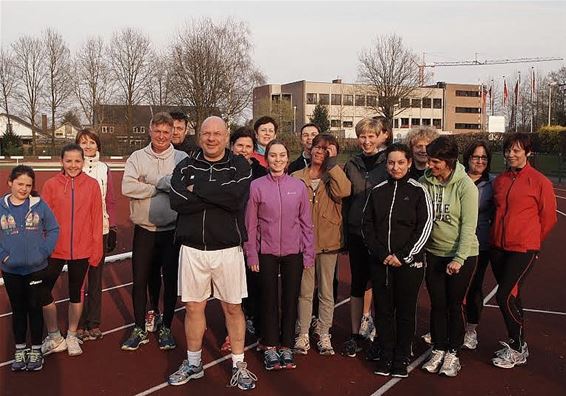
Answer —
209 192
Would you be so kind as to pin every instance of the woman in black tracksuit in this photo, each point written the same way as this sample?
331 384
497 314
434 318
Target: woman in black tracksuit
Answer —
396 224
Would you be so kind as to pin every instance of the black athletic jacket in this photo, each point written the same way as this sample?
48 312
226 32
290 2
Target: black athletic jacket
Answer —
211 217
397 220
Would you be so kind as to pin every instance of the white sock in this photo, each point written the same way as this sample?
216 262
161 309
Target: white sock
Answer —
55 335
237 358
21 346
194 358
367 315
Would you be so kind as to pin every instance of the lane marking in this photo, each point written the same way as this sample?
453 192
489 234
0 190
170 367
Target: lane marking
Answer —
532 310
562 213
558 196
392 382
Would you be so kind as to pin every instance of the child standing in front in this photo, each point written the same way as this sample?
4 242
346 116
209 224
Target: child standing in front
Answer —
29 233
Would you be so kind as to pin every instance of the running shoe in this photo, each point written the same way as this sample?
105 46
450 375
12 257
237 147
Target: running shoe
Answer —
367 327
399 369
433 364
510 358
152 321
53 344
165 339
82 334
325 345
302 344
250 328
20 359
451 365
351 347
470 340
500 352
271 359
286 358
93 335
243 378
185 373
35 360
383 367
136 338
73 345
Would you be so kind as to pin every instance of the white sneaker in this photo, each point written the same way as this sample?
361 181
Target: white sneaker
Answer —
432 365
427 338
52 345
325 345
502 351
470 339
509 358
367 328
451 365
73 345
302 344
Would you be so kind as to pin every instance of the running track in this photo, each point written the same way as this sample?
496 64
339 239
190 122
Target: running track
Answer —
105 369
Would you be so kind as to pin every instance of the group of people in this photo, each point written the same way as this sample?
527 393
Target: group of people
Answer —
230 216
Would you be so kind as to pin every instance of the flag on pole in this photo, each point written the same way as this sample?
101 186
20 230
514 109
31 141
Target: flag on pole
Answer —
517 93
533 82
505 92
490 99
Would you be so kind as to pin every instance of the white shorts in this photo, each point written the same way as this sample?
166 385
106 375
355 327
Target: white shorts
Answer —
218 272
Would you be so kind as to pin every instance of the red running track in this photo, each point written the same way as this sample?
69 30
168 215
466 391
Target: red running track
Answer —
105 369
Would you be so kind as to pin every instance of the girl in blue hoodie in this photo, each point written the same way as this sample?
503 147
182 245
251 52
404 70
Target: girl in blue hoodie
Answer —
29 233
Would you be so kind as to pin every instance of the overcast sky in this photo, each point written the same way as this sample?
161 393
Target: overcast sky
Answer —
321 40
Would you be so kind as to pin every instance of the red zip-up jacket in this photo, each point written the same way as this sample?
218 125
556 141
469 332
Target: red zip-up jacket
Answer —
77 205
525 210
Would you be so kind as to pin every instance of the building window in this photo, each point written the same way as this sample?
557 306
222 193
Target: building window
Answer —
311 98
335 123
396 123
323 99
286 97
473 94
276 98
336 99
437 103
348 100
415 121
348 124
360 100
104 129
405 103
427 103
372 101
466 126
136 129
142 129
437 123
416 103
404 122
474 110
426 121
111 129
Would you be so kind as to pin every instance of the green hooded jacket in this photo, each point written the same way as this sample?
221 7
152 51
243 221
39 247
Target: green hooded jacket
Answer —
455 204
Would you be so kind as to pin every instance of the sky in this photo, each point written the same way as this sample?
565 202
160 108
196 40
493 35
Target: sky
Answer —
321 40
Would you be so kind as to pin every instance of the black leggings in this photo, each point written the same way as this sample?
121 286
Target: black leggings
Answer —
447 294
359 265
395 292
275 332
90 318
510 270
76 269
26 293
153 252
474 299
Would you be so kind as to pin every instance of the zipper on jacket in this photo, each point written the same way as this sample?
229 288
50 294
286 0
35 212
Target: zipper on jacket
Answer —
72 213
280 215
389 232
238 231
203 220
505 214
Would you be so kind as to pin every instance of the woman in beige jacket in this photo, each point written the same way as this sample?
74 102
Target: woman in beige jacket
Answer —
326 184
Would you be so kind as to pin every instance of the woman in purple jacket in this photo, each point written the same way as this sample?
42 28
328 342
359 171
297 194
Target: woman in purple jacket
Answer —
280 240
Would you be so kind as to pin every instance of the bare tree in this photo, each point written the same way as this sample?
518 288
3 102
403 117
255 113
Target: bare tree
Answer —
158 87
92 77
29 57
391 72
212 69
129 54
8 82
59 78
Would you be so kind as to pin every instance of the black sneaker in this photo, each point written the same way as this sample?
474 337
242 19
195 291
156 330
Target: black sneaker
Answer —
165 339
383 367
137 338
399 369
351 347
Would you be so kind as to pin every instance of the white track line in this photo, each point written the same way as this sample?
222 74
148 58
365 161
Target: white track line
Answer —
562 213
532 310
392 382
558 196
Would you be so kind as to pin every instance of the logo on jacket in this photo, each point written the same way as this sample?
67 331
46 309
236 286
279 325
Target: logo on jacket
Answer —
8 224
32 221
416 264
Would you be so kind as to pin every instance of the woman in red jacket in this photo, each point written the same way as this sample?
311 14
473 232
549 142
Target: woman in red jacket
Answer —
76 201
525 212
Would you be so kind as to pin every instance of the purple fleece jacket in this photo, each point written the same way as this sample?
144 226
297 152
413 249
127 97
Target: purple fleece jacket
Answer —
278 219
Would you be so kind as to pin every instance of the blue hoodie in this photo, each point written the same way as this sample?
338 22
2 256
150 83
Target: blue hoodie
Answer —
27 245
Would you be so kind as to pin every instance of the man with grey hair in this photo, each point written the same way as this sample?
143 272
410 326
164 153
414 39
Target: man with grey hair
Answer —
146 182
209 193
417 139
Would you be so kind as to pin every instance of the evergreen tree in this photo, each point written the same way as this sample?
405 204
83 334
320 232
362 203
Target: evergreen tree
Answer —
320 117
11 143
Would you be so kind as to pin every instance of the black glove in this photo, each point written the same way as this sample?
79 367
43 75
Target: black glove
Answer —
111 241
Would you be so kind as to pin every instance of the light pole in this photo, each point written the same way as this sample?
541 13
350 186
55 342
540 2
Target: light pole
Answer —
550 85
294 119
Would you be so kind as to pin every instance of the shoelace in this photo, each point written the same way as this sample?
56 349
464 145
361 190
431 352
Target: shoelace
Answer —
286 354
324 342
449 359
272 354
34 356
242 372
20 355
302 341
436 357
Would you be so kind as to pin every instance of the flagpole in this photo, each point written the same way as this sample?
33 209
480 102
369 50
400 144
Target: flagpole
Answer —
517 99
532 93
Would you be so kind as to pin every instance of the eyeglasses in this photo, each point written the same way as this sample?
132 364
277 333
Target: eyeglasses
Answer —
479 158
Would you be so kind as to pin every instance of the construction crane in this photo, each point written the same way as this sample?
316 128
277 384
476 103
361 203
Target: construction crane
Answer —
477 62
